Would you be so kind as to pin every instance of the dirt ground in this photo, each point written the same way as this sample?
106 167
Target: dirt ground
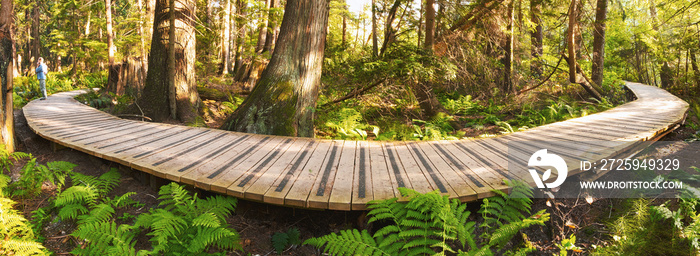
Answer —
256 222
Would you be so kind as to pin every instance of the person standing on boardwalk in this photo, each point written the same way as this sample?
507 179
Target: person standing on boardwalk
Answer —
41 71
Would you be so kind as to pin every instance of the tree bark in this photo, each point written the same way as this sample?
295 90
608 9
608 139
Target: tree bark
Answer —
241 27
143 39
283 101
576 74
225 38
35 39
420 24
429 24
155 101
599 41
389 27
262 28
345 23
536 38
507 60
110 34
274 27
696 70
7 53
375 44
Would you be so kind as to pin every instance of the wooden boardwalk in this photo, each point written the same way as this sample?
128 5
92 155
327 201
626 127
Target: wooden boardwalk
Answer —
343 175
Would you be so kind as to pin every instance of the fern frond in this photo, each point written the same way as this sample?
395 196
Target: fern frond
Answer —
76 195
349 242
72 211
99 213
105 238
173 195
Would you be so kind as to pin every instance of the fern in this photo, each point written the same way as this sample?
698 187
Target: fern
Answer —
426 223
17 237
6 158
189 224
504 208
34 175
282 240
105 238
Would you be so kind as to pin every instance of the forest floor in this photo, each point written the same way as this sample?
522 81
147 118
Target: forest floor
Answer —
257 222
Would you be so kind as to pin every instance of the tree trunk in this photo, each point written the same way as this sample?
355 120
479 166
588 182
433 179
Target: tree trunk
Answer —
232 39
420 24
110 34
536 38
241 27
345 23
696 70
262 28
7 53
155 100
283 101
599 41
274 29
143 40
35 40
429 24
375 44
507 60
225 38
576 74
389 27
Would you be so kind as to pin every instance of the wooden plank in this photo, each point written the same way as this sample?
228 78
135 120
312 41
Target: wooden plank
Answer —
302 187
323 185
175 168
418 180
475 168
396 171
258 184
245 156
430 172
383 185
466 189
135 154
362 190
238 185
341 193
196 173
279 189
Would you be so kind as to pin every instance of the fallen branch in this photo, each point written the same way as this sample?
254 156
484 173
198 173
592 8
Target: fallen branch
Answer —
138 116
355 92
543 81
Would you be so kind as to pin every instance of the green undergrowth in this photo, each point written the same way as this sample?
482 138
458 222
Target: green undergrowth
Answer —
432 224
26 88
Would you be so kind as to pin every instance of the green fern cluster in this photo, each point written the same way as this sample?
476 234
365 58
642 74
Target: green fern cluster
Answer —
430 224
16 236
89 195
34 175
6 158
188 225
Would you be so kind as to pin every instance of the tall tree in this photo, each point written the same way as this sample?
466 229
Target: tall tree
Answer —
35 41
536 37
110 35
284 99
429 24
225 33
576 74
262 27
601 14
241 28
274 27
7 53
155 98
375 44
507 59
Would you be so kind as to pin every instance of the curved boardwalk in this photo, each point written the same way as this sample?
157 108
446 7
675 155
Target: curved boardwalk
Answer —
336 174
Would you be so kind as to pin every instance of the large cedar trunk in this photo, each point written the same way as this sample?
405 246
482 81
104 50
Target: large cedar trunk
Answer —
127 77
599 42
7 52
154 100
284 99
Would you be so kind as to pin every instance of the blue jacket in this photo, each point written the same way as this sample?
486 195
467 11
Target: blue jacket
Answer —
41 71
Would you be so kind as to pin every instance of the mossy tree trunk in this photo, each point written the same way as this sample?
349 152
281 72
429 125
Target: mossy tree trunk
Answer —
7 53
154 100
284 99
